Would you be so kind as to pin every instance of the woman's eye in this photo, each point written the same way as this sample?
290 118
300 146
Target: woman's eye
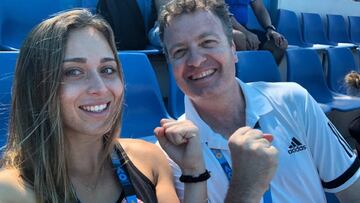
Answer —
108 70
72 72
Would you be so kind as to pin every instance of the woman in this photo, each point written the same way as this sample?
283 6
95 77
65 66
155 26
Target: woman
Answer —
352 81
66 113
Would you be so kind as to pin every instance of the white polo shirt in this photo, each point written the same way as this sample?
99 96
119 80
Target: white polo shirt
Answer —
313 156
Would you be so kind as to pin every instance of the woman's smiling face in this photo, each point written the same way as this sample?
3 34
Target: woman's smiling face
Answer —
91 87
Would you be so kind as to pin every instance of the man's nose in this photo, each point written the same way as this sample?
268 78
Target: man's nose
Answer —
195 58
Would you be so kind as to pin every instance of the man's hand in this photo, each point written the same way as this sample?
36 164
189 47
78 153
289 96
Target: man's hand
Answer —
252 41
180 140
280 40
254 162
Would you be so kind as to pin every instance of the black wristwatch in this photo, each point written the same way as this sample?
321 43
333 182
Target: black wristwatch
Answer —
270 27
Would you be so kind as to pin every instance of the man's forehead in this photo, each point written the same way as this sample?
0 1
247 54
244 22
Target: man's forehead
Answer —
200 19
199 14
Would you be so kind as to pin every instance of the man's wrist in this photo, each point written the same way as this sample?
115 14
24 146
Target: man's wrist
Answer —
194 171
270 28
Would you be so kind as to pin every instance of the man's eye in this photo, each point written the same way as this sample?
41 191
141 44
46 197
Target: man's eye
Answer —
209 43
179 53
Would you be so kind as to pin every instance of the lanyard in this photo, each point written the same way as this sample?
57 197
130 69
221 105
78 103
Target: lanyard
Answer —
123 177
228 170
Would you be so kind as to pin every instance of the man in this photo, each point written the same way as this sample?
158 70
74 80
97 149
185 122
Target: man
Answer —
244 38
258 139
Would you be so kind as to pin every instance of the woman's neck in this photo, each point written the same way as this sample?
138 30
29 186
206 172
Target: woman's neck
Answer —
84 153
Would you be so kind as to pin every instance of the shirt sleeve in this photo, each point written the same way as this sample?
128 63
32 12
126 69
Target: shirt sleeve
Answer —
337 164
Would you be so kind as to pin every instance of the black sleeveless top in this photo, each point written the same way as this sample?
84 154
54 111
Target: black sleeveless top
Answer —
144 188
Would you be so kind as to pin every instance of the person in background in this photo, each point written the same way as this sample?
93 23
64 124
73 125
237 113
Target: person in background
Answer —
260 140
131 21
352 81
67 103
255 39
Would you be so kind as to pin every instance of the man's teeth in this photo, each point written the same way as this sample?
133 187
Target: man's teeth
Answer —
203 74
96 108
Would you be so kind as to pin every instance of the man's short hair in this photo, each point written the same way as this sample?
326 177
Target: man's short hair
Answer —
176 8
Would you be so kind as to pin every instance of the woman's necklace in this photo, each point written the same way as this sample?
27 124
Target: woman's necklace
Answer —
88 186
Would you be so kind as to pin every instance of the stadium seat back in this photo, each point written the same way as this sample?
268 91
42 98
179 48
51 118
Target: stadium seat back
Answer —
340 62
354 29
337 31
289 26
249 68
18 17
143 105
313 29
304 68
176 97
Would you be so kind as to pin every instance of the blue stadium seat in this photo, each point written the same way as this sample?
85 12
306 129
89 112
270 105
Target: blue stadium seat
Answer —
313 29
304 68
289 26
18 17
89 4
354 29
340 62
337 31
7 61
144 107
176 97
248 68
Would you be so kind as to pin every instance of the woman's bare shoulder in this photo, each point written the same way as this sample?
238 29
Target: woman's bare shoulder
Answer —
13 189
146 156
140 147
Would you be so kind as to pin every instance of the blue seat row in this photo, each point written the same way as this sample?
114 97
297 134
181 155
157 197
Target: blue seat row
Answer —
18 17
305 68
312 34
16 21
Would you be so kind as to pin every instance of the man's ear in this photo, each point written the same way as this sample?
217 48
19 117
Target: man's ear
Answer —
233 49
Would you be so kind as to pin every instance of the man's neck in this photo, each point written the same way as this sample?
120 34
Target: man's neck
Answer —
225 113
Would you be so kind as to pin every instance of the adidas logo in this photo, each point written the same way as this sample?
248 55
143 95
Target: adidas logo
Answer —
295 146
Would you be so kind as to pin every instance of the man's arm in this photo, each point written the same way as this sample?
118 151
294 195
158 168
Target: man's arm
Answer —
261 13
252 41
